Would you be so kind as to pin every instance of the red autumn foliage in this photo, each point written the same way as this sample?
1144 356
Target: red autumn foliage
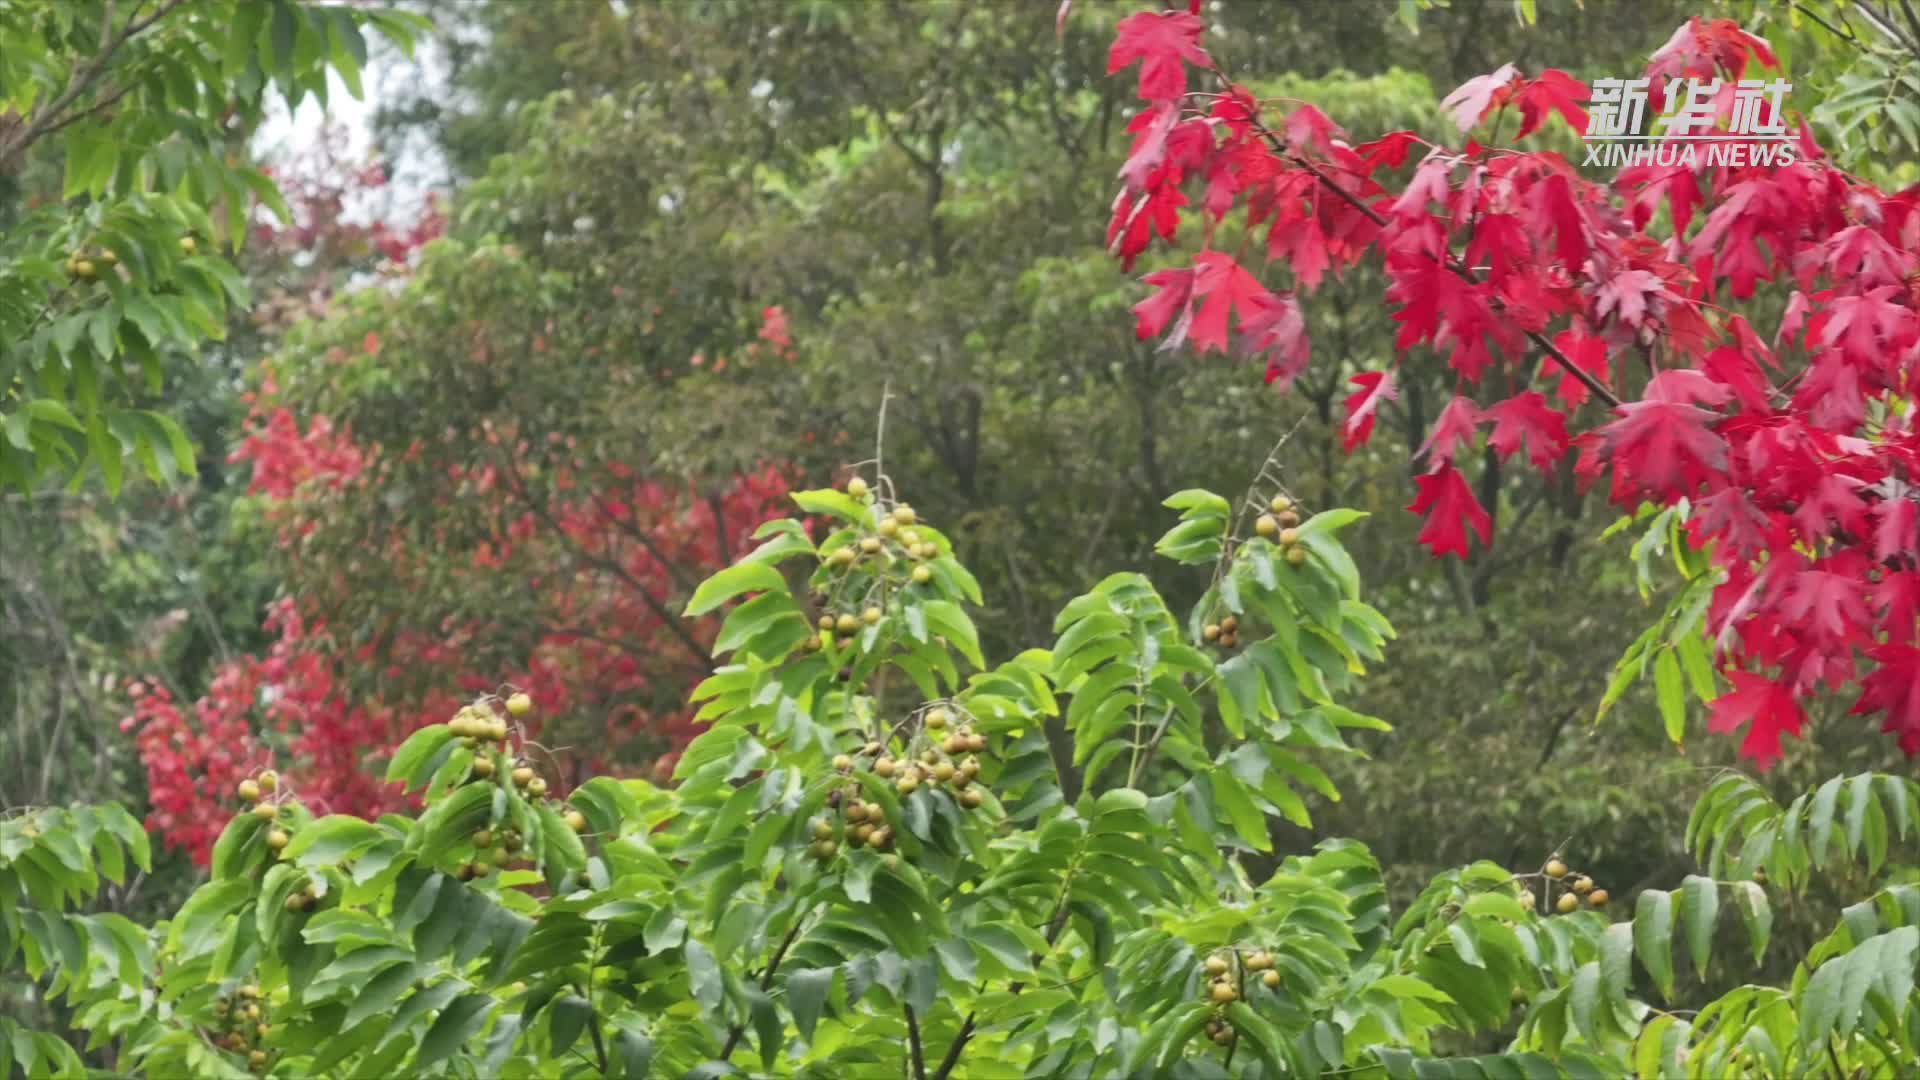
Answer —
323 704
1792 459
603 656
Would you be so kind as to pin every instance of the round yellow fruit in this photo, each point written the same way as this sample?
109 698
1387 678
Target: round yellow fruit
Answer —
1598 898
871 615
1217 965
266 811
1223 992
249 791
269 780
1281 504
519 704
536 787
1271 979
1567 904
857 488
922 575
278 839
1556 869
1266 526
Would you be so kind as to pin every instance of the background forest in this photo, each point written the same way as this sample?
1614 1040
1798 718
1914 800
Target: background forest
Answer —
683 258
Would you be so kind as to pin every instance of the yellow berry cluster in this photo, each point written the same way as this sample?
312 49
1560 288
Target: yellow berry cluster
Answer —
1580 887
1283 527
243 1027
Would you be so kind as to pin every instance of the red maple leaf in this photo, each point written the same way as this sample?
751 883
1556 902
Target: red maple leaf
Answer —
1898 531
1175 297
1450 507
1469 101
1553 91
1832 498
1276 326
1149 128
1162 43
1895 688
1364 404
1898 597
1455 426
1200 301
1227 286
1589 354
1831 607
1729 517
1735 370
1309 127
1663 447
1767 710
1137 218
1526 419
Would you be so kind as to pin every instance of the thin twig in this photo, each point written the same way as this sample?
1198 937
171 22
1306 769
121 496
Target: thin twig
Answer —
766 983
913 1043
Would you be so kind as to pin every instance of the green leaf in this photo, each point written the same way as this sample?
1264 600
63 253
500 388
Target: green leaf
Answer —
1699 905
568 1017
410 762
1671 692
1330 521
704 975
456 1024
49 411
1585 1002
1198 500
632 1052
732 582
332 840
1751 899
837 503
807 997
1653 937
1820 819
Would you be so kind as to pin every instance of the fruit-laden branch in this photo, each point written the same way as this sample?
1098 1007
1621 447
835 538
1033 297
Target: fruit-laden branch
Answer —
1451 261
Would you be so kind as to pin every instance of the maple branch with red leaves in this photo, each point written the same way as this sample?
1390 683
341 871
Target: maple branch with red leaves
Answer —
1793 488
1451 260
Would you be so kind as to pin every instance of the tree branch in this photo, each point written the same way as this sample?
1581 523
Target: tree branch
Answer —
968 1027
913 1044
49 119
766 983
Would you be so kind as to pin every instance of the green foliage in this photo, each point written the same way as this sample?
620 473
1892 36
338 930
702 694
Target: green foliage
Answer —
118 279
887 852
